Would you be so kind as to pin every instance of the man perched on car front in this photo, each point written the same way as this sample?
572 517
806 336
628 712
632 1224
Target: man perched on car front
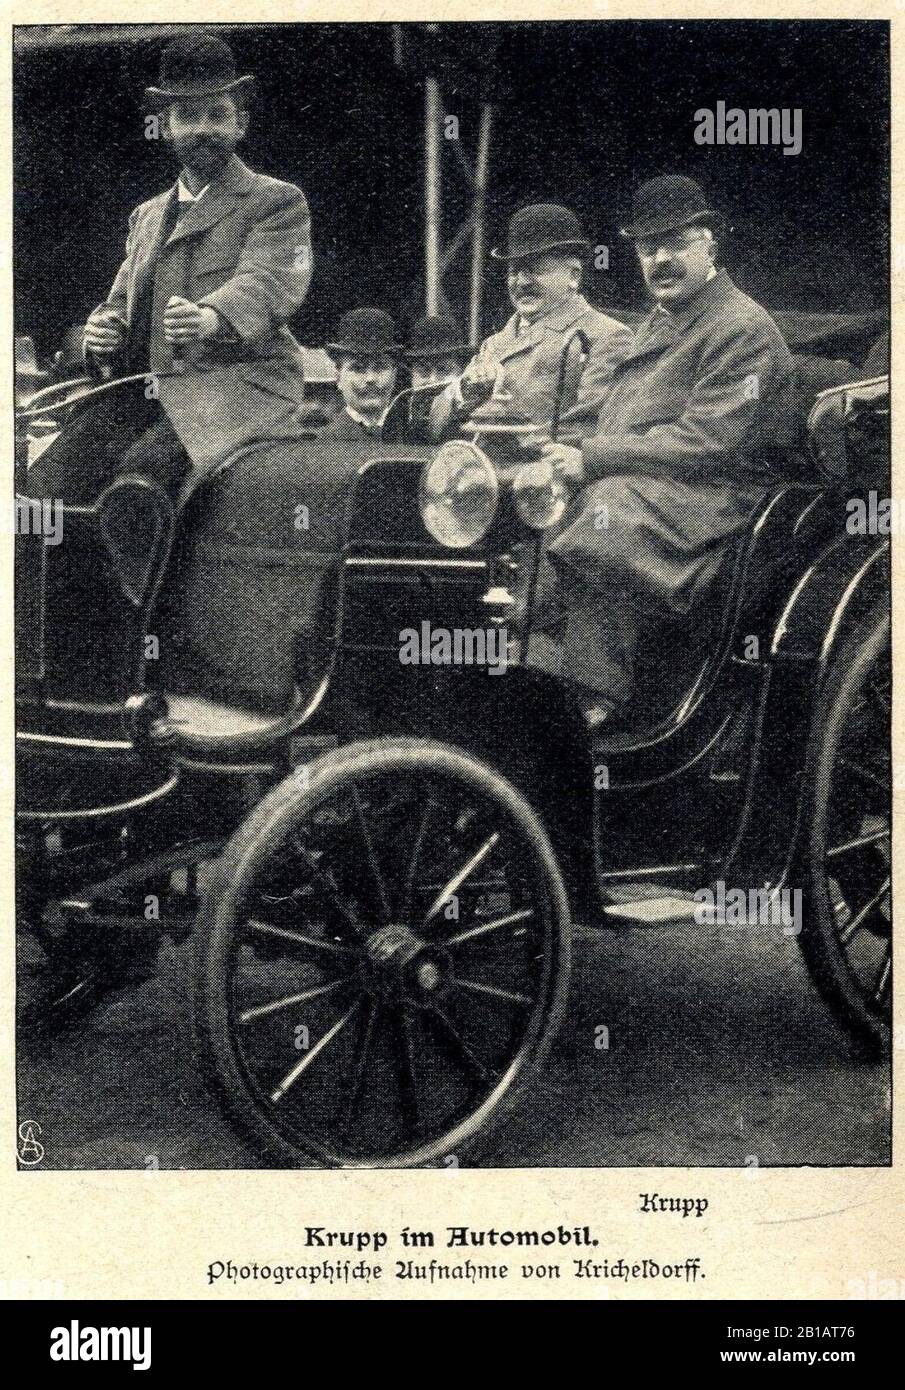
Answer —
214 268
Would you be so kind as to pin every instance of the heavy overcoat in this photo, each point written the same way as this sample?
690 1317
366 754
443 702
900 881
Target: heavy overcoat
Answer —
690 434
693 429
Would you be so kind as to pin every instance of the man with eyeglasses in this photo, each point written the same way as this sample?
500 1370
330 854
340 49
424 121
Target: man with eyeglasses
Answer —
680 456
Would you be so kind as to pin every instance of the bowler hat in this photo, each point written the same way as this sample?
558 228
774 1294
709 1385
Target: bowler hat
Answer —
435 337
365 332
667 204
193 66
541 227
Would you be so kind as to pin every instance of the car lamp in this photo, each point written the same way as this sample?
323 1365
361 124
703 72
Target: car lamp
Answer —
459 494
540 496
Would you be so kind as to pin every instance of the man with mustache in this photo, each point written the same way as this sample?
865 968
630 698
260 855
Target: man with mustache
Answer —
214 268
366 356
544 258
680 455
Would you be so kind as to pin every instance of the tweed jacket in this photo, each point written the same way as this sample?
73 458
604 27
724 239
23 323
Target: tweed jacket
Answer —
244 249
530 359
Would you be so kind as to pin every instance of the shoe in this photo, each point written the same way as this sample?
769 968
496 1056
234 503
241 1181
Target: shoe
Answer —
595 707
597 714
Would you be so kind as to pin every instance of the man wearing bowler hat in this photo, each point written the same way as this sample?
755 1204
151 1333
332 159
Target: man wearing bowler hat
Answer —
366 355
214 268
680 456
544 257
436 353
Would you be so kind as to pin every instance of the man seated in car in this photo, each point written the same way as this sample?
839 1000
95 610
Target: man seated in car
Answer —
677 461
435 356
545 257
436 353
366 355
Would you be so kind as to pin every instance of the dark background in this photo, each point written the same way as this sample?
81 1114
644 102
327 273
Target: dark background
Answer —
584 112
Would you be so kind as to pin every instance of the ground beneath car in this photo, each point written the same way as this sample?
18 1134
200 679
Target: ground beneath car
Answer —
683 1045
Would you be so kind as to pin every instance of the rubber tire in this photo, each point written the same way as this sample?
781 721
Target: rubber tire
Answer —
818 939
249 848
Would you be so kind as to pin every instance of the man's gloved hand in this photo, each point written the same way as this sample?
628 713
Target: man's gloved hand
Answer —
478 382
567 463
185 322
104 332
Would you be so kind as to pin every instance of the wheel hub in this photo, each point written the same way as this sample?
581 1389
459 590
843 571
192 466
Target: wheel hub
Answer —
399 957
393 946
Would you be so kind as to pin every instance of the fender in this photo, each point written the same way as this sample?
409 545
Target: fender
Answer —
834 594
844 589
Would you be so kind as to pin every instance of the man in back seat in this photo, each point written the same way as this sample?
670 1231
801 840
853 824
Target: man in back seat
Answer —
366 356
678 460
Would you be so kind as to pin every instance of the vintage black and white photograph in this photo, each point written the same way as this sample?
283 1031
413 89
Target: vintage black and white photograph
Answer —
452 520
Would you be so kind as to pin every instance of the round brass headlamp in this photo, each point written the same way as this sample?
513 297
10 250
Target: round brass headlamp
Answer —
459 494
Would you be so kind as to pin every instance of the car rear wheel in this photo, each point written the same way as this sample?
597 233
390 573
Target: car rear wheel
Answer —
383 958
846 935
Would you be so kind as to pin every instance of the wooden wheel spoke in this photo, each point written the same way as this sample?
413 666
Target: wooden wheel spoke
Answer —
446 1029
494 991
483 928
405 1070
864 774
313 1052
272 1007
427 815
312 943
460 876
862 842
882 982
859 921
371 853
360 1070
326 882
409 1057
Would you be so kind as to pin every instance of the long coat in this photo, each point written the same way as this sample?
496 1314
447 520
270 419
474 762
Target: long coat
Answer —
530 359
244 248
687 442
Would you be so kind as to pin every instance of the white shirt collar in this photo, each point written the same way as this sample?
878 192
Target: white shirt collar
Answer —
360 419
185 194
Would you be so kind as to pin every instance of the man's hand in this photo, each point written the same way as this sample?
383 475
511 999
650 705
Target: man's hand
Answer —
105 331
185 322
566 462
477 382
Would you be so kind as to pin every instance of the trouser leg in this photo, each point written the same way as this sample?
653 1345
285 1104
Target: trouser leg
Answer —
158 454
585 635
87 454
